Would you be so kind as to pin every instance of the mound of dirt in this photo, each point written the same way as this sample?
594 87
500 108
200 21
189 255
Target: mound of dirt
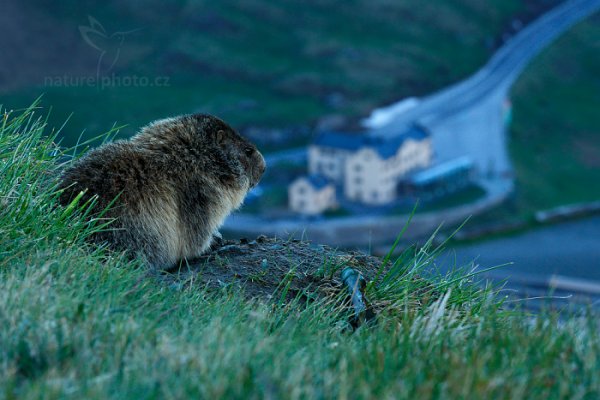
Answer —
274 269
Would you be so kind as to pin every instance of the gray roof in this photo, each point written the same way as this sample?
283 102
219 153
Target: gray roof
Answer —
386 147
442 170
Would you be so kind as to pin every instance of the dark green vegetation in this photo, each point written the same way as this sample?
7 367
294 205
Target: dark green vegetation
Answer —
463 196
555 136
77 321
554 139
467 195
272 200
263 63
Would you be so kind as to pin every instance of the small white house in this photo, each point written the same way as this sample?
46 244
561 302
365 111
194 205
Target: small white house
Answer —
311 195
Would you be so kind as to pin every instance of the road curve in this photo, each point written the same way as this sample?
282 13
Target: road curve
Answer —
501 70
498 74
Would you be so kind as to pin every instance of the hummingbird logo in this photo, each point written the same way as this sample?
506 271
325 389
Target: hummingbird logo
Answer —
109 45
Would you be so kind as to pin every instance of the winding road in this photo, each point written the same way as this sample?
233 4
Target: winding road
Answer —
501 70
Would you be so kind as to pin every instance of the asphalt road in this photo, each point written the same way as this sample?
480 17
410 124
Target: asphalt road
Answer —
569 249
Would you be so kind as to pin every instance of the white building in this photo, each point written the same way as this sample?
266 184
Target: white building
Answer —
311 195
368 168
330 160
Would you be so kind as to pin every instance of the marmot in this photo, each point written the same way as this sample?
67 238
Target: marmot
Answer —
173 184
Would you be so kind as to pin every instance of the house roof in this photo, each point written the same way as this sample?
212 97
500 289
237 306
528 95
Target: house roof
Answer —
441 170
317 181
385 146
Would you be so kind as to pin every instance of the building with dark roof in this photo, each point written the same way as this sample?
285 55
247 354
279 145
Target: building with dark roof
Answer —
367 166
386 146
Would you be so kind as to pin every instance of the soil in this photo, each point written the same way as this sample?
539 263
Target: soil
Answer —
273 269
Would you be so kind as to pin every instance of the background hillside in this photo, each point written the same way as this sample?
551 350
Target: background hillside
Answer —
290 66
253 62
555 135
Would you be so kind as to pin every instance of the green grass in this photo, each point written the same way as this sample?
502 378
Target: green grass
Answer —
555 145
80 322
272 63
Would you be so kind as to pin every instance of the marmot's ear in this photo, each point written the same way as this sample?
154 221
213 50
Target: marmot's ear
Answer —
220 136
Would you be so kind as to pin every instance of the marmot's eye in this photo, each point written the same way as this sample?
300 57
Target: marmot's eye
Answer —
249 151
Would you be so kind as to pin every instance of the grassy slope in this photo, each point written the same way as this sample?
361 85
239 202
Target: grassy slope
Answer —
79 322
555 137
274 63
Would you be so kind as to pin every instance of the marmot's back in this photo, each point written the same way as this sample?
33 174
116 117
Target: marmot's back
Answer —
111 170
172 185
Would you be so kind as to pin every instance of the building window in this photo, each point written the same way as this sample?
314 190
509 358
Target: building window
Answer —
358 168
358 180
301 190
374 195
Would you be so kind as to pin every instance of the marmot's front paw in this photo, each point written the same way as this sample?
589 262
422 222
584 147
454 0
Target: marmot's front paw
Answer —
217 242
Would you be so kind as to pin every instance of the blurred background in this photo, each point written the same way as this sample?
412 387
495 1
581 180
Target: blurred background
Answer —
363 108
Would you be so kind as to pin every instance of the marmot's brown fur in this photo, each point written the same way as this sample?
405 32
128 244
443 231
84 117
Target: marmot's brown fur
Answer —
174 183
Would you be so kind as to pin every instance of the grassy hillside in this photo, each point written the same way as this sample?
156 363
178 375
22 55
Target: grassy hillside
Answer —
80 322
264 63
555 137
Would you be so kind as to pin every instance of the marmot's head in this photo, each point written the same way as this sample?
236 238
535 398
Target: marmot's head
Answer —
218 147
239 155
